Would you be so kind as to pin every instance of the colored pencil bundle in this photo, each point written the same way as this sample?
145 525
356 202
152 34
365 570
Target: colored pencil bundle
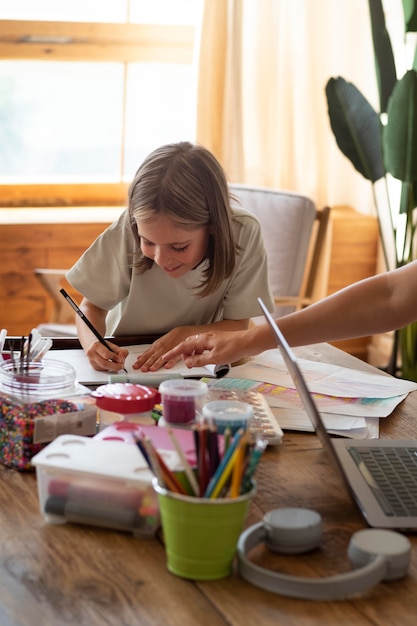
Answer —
226 474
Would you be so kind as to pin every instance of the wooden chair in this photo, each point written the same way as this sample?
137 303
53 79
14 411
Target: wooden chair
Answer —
61 321
316 271
296 237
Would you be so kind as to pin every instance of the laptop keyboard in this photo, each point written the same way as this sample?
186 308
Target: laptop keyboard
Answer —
392 476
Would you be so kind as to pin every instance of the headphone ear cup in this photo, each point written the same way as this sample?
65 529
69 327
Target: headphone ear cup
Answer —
376 554
369 543
292 531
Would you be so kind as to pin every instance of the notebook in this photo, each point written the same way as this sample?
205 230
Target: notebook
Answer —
381 474
90 377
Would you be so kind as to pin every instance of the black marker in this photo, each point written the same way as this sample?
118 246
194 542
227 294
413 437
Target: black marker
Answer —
86 321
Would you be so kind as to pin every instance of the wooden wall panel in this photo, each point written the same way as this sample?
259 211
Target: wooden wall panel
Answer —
23 247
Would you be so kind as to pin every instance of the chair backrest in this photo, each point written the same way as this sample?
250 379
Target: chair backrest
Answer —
316 274
61 320
295 235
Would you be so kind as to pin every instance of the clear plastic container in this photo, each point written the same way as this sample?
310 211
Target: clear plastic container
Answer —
37 380
182 400
231 414
38 401
125 402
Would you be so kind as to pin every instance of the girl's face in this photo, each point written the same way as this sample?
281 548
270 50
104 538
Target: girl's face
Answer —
174 249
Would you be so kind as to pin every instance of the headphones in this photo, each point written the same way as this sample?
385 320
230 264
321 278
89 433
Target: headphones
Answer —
375 554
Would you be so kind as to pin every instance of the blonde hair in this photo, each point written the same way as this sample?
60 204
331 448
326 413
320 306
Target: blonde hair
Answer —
186 183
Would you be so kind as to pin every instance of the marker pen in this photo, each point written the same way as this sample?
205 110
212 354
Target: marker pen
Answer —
130 498
93 514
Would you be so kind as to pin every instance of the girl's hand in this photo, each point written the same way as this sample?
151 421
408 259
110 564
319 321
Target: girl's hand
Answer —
103 360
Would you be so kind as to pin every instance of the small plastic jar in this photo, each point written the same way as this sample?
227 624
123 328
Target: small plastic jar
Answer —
182 400
118 402
231 414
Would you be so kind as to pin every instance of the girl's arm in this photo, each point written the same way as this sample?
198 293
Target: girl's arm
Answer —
99 356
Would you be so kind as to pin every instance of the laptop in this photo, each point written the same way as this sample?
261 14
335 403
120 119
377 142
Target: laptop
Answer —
381 474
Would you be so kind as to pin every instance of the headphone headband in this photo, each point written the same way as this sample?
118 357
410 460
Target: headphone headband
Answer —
375 554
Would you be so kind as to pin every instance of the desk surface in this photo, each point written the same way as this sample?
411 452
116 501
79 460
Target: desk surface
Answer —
75 575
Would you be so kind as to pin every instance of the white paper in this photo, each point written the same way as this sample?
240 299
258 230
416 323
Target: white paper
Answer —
324 378
87 375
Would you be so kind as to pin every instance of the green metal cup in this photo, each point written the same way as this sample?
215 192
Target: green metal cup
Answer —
201 534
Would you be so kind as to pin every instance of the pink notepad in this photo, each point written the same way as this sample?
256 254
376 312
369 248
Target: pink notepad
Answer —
125 431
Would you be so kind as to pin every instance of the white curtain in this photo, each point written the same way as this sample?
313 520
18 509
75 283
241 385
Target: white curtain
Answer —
262 70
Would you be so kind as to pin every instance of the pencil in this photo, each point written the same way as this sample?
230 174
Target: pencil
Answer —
166 478
224 477
254 459
187 468
237 471
213 447
170 479
202 460
87 322
217 476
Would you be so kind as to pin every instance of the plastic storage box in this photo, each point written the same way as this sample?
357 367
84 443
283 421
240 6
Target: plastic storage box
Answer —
98 482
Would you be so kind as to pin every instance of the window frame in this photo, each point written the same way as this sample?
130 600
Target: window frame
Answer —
125 43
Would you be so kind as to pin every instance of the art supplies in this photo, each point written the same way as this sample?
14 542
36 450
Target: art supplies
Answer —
101 483
218 471
201 534
264 423
27 427
125 401
31 348
231 414
182 400
38 401
203 516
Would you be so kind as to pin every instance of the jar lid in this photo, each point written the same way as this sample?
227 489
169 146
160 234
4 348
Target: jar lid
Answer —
228 413
182 387
126 397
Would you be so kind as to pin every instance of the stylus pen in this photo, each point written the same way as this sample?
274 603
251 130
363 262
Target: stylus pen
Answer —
87 321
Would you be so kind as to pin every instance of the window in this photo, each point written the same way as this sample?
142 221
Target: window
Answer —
88 92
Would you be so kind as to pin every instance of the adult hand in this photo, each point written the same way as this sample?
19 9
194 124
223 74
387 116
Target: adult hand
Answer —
215 347
153 358
103 359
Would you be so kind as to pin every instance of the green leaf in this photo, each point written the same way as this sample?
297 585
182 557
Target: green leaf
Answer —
410 15
356 127
399 137
385 71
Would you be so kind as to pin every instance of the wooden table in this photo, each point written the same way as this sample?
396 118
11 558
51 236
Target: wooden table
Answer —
77 575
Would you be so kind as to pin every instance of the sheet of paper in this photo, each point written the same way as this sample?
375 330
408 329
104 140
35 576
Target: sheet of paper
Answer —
341 425
361 407
323 378
88 376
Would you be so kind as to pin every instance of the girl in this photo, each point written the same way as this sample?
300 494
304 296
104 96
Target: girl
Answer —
178 261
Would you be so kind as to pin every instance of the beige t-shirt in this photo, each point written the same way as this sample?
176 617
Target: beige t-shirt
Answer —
154 303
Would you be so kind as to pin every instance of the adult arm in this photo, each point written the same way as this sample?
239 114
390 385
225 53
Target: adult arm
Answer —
152 359
374 305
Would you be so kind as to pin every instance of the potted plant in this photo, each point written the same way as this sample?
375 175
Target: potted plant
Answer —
382 146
